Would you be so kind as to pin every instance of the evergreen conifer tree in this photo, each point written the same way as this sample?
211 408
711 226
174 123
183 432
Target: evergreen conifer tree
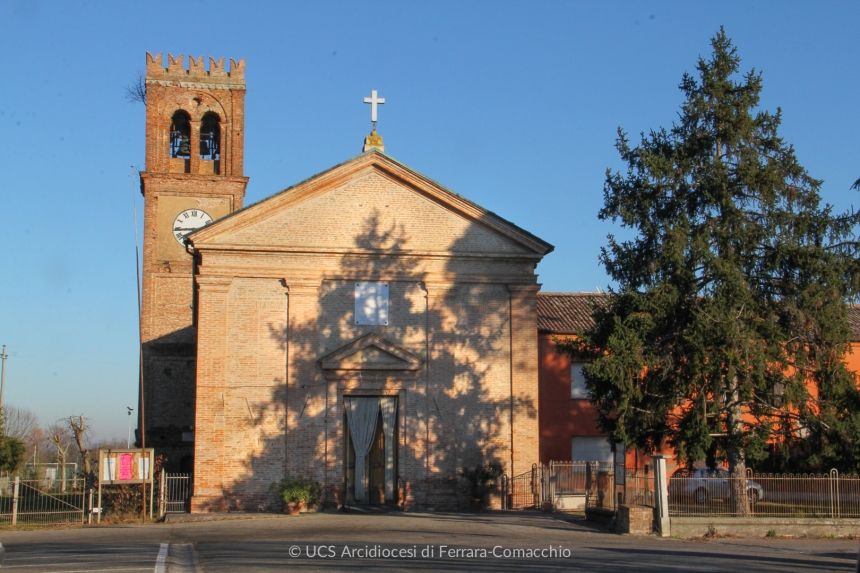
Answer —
12 450
727 333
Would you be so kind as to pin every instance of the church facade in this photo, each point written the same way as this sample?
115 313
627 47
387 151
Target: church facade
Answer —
367 329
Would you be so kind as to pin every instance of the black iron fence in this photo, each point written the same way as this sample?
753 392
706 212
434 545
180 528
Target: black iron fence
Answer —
639 487
174 493
592 484
521 491
563 478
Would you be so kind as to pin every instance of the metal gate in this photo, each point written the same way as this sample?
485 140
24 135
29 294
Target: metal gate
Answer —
41 501
522 491
175 493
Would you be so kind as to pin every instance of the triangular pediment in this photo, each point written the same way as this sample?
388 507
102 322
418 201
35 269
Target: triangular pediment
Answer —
370 203
371 352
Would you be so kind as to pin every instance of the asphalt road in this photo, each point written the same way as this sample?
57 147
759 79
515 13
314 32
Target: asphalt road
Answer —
89 556
501 543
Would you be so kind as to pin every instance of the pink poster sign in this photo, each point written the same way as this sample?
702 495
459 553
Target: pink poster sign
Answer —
125 466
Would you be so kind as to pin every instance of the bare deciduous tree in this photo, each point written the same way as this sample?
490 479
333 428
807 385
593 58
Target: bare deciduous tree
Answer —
18 422
58 434
79 425
136 91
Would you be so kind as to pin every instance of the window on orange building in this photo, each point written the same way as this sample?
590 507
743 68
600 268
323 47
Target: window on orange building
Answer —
591 449
577 382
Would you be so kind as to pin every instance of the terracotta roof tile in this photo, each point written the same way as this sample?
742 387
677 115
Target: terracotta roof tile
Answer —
565 312
854 321
570 312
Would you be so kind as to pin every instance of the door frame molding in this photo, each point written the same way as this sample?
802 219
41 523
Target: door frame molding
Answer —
386 371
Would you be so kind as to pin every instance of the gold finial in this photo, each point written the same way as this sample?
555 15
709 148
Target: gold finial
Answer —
373 141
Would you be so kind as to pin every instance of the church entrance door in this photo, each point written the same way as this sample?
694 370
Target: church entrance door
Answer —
373 479
376 467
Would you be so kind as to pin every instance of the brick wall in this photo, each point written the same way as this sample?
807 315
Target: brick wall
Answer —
460 303
168 334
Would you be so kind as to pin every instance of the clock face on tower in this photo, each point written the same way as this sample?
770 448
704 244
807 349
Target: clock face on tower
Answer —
187 221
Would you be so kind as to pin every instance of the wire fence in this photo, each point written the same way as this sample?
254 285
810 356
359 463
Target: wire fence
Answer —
717 493
38 502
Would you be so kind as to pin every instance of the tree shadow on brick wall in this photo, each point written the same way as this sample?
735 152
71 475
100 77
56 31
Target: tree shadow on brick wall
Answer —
169 374
458 410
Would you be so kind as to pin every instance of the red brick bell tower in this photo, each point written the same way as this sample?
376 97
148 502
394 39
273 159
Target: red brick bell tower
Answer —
195 124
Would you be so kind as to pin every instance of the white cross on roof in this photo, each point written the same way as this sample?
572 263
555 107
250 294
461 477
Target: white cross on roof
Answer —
373 101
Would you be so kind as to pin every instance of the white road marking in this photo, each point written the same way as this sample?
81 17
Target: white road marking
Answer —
162 557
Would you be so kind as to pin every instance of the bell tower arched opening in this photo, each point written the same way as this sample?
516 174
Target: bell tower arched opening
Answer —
210 143
180 142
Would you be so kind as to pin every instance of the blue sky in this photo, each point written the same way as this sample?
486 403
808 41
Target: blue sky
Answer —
514 105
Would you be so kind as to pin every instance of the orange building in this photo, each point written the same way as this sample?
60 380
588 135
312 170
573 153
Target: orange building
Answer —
568 426
567 418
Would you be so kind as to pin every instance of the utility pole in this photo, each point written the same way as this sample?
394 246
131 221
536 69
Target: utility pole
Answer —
128 442
3 356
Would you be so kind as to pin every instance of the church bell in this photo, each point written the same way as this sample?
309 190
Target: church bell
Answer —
184 148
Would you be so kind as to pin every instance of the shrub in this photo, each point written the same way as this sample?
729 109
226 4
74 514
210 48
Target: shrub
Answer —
291 490
480 477
12 452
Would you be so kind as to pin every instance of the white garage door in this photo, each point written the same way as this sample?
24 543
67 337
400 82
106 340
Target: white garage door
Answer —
591 449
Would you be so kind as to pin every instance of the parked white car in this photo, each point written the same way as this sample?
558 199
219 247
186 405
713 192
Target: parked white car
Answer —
704 484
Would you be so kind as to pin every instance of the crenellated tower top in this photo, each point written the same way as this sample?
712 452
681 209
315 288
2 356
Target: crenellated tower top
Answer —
195 118
213 78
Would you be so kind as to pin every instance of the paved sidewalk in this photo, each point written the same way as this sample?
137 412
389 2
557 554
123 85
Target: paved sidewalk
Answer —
498 542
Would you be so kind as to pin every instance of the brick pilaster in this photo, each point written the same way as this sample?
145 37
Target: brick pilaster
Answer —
435 378
524 377
195 146
305 431
212 365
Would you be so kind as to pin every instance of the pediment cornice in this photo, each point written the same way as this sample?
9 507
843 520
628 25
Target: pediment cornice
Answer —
388 356
371 162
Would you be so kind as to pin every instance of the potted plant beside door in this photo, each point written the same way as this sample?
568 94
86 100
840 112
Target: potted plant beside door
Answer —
295 493
478 480
314 498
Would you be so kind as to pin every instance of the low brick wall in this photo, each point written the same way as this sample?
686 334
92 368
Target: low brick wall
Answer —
635 519
762 526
